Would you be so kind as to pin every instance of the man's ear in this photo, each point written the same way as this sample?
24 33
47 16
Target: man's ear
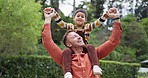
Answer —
68 44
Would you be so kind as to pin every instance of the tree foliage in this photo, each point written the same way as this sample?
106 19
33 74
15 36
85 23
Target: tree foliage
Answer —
134 36
134 42
20 26
144 22
98 7
94 8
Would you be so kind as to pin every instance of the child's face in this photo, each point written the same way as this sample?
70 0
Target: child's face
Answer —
80 19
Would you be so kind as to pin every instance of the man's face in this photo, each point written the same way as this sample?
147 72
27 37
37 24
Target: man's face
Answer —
80 19
74 40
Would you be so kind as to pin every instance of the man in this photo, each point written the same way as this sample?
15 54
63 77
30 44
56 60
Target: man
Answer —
81 66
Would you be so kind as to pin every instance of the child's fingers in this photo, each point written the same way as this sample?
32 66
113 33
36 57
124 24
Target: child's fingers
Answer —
114 15
47 9
47 12
112 10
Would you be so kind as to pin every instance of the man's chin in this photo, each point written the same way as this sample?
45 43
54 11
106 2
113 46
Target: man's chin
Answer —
82 45
79 45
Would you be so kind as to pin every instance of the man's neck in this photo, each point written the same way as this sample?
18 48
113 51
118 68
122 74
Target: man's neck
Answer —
77 50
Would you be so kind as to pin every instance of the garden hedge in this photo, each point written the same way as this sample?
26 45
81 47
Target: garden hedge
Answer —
45 67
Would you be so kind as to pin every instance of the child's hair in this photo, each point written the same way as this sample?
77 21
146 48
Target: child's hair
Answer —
80 10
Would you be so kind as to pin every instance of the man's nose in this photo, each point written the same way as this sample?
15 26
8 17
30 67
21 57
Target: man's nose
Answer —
79 37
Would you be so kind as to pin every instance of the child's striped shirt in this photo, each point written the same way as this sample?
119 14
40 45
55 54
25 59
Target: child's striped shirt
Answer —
86 28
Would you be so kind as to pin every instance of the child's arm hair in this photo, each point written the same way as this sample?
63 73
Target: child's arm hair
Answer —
61 23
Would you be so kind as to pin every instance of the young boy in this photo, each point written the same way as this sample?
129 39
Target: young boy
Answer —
79 17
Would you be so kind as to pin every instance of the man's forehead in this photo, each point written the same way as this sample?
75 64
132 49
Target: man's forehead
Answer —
71 34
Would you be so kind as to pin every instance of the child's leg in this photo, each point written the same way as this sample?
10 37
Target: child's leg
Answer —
94 59
67 60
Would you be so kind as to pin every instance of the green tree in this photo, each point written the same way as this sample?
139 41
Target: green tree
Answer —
98 7
144 54
94 8
134 36
144 22
133 45
20 26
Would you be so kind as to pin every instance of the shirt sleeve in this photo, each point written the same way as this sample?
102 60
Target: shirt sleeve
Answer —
97 23
54 51
106 48
62 24
89 27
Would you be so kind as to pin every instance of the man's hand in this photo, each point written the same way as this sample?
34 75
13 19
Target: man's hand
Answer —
48 14
113 13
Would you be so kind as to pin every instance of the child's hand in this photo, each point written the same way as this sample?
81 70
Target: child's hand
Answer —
49 12
112 10
113 13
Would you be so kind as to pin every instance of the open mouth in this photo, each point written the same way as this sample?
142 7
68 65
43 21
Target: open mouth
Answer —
80 41
79 20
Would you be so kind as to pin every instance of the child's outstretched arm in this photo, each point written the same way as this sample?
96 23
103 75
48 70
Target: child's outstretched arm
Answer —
89 27
61 23
97 23
58 19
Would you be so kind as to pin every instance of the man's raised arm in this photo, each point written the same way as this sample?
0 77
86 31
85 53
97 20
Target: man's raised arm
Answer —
106 48
54 51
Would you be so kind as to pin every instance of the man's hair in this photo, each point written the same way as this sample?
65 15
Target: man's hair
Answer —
80 10
65 37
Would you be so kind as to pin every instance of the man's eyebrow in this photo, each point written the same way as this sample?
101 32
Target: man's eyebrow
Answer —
74 35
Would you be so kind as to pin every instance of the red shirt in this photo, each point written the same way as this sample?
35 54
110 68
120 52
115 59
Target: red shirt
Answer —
81 65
